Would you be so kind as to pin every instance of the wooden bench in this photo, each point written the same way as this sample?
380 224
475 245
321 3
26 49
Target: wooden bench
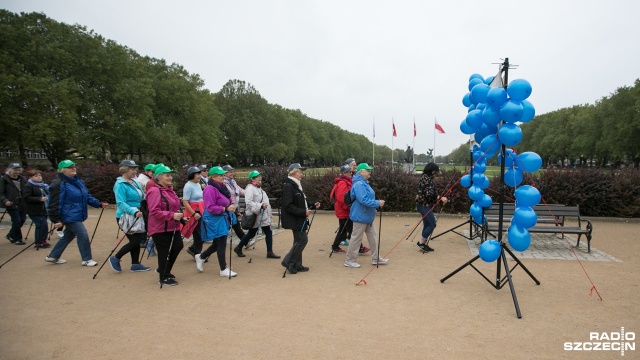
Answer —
274 202
551 220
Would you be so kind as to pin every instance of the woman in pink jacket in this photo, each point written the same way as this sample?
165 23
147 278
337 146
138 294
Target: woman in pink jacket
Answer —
163 224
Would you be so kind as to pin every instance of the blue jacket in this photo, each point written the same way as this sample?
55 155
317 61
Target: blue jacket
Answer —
68 200
127 197
363 208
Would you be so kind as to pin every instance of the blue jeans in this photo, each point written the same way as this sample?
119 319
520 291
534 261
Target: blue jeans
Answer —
42 228
71 230
17 220
428 221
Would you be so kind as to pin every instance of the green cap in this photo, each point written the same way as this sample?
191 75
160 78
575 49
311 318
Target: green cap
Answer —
149 167
363 166
217 170
157 166
65 164
162 169
254 174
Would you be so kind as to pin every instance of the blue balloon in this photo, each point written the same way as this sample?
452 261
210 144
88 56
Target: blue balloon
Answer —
489 80
490 145
479 92
490 250
486 201
466 129
471 108
496 97
510 134
481 106
485 184
480 166
529 161
477 154
475 81
519 238
511 111
519 89
478 136
465 100
525 217
528 111
513 177
465 181
487 130
527 195
475 210
491 116
476 76
474 119
508 155
475 193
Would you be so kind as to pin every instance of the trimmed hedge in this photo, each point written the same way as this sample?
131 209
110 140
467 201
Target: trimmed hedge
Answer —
613 193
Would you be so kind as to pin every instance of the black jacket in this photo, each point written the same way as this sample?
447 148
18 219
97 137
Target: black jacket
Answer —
9 191
32 204
294 211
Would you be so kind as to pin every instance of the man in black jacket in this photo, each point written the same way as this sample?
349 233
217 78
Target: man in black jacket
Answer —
11 185
295 212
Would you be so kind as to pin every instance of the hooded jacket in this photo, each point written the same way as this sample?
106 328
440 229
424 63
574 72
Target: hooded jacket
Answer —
163 203
215 220
342 185
68 200
363 209
127 196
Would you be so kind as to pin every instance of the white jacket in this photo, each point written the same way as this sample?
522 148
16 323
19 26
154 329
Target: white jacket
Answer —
254 197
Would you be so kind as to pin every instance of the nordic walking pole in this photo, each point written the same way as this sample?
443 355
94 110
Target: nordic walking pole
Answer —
253 249
164 270
28 231
379 239
48 238
341 230
21 251
114 249
94 230
3 214
295 245
144 249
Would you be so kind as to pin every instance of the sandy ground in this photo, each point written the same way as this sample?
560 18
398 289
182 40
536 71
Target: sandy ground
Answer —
403 312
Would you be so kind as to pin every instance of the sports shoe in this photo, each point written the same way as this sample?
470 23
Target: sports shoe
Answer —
54 260
115 263
89 263
45 244
168 282
379 261
238 251
18 242
344 243
363 250
251 243
139 267
302 268
199 262
338 250
226 272
353 265
272 255
421 246
11 240
169 275
428 248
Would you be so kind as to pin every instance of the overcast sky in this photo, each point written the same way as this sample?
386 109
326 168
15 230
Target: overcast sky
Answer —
350 62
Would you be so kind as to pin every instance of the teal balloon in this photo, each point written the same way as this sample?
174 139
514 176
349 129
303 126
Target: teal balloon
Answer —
490 145
511 111
486 201
475 81
465 181
491 116
527 195
465 100
496 97
489 250
475 193
525 217
480 166
519 238
479 92
528 111
512 177
474 119
510 134
466 129
475 210
519 89
529 161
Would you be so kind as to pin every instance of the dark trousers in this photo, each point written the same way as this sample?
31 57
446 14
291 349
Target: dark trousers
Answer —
294 256
345 227
268 237
133 247
166 247
218 246
17 220
238 230
42 228
197 240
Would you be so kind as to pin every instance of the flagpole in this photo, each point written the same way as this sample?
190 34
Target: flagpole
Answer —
393 126
414 144
434 140
373 158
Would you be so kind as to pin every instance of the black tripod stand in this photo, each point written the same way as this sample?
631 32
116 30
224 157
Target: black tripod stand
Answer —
502 260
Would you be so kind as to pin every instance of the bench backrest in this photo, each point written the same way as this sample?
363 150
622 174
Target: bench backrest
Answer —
541 210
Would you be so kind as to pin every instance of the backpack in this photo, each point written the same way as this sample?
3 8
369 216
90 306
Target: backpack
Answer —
347 198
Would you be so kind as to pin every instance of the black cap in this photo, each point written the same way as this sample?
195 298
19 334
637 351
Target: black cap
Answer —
296 166
349 161
227 168
129 163
14 166
193 170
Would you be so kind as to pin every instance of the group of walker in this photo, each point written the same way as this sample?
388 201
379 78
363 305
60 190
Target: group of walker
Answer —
210 201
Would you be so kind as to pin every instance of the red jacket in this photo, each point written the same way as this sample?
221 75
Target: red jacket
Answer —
342 185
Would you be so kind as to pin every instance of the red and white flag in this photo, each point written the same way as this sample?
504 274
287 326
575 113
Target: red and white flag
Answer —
414 129
438 127
395 134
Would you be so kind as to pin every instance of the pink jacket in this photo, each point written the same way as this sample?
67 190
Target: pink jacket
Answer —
163 203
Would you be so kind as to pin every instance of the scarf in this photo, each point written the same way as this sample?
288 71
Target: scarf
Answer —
40 184
233 184
221 187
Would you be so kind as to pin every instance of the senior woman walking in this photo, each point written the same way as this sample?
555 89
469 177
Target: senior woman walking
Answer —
68 202
11 184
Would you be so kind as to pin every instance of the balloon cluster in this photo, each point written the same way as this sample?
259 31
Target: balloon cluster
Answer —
493 116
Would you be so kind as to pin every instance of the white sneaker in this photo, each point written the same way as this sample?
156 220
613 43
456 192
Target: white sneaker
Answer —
225 272
379 261
89 263
54 260
354 265
199 262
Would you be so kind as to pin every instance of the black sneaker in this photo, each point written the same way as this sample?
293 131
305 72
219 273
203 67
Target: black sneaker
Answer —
168 282
168 276
422 247
302 268
428 248
18 242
